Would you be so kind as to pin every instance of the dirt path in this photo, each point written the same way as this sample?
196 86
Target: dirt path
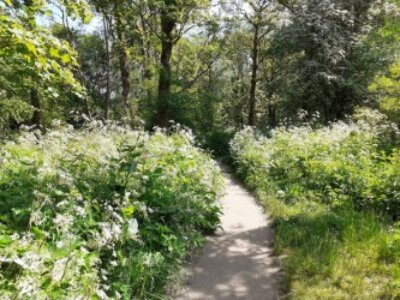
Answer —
236 262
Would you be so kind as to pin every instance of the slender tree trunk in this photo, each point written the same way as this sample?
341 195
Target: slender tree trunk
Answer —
123 58
71 37
108 78
146 61
164 84
79 75
37 114
271 115
126 86
85 99
253 85
35 98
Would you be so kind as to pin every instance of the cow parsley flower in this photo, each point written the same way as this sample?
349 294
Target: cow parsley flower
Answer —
59 269
133 228
63 222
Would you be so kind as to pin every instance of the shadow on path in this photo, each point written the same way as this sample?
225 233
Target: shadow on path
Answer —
237 263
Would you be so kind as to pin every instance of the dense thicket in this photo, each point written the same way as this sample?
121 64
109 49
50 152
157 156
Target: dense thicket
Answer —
103 213
334 196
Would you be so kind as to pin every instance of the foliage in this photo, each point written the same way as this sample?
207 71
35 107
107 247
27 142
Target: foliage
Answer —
218 142
389 89
101 213
31 57
329 63
333 192
93 65
14 110
317 56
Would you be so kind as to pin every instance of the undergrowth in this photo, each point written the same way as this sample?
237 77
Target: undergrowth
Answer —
101 213
334 195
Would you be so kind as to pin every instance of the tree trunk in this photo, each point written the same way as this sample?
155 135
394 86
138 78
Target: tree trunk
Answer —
253 85
164 84
35 98
71 38
107 99
271 115
147 74
122 57
37 114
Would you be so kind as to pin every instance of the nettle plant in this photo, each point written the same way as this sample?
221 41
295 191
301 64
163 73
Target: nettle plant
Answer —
103 212
355 163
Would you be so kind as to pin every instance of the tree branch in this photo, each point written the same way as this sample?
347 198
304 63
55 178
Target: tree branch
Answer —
200 74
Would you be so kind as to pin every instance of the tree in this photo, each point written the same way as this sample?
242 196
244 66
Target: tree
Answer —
197 84
176 18
114 16
122 52
388 87
261 23
323 45
37 61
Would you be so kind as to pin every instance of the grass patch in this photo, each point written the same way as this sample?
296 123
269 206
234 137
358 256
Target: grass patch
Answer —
334 254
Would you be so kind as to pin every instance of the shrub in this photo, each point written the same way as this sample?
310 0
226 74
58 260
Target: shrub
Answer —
334 195
355 164
218 142
101 213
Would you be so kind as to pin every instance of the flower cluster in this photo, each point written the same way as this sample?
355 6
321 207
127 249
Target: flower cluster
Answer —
101 213
356 162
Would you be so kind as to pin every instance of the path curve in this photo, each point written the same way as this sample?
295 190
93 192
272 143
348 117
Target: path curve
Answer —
237 262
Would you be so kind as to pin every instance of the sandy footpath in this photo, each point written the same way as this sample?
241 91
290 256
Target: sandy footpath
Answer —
236 263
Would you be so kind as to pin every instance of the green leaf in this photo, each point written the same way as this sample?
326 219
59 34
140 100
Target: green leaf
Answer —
54 52
66 58
128 211
31 47
5 240
38 233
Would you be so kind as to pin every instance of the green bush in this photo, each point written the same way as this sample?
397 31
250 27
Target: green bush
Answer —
101 213
334 195
218 142
354 164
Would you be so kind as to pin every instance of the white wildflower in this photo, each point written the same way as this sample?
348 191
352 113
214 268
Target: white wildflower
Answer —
21 262
102 295
15 236
114 263
59 269
84 250
56 123
60 244
26 286
63 222
132 228
281 193
106 231
116 231
80 211
37 217
117 217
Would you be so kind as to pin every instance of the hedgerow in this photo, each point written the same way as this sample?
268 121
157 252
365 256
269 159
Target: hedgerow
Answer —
102 212
334 195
